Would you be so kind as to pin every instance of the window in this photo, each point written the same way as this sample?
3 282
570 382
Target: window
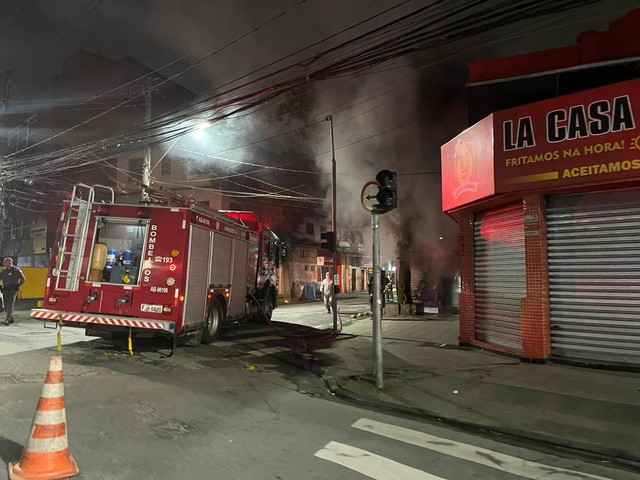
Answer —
42 260
165 166
117 252
267 250
135 168
310 229
19 137
25 261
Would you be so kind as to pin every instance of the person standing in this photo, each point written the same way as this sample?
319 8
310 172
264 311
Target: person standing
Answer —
12 279
388 288
326 287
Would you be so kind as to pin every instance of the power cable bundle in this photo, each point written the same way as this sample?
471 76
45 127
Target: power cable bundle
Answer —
436 25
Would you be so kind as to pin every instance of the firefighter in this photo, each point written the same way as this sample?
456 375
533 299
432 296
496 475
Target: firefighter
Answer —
12 279
326 287
385 282
388 288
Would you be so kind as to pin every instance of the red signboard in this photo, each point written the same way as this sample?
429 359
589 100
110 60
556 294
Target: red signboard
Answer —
587 137
590 137
467 165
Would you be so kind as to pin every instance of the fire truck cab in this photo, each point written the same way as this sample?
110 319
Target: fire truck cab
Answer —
174 270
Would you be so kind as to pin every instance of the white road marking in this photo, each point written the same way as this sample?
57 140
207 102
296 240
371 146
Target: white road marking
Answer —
482 456
370 464
26 335
267 351
243 341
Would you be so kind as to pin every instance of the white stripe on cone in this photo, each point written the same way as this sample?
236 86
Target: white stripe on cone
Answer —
52 390
47 445
56 364
49 417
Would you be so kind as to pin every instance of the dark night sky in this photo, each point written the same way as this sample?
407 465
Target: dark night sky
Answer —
404 126
37 35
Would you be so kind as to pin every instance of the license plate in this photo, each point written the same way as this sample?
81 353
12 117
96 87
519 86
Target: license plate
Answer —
150 308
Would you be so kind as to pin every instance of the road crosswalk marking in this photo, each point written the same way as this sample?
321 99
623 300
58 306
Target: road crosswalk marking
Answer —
266 350
246 340
370 464
482 456
254 342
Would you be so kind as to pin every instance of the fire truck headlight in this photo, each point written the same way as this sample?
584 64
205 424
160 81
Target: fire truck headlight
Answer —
174 253
170 281
52 300
172 267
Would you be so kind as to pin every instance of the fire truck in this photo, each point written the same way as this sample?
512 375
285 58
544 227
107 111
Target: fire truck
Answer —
175 269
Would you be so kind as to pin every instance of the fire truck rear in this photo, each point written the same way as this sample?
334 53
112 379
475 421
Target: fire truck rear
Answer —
172 270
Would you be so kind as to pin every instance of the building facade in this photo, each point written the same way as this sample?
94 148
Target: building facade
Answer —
546 189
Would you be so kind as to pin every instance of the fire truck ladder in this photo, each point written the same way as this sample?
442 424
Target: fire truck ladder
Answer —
74 236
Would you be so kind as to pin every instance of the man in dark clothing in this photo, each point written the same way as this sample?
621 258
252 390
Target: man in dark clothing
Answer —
12 279
383 287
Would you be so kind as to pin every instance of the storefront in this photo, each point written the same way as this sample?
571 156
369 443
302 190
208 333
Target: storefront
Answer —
548 200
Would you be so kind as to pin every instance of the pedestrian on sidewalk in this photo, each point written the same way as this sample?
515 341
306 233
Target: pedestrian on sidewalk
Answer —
388 288
326 287
12 279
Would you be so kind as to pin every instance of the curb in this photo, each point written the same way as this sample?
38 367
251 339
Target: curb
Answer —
541 439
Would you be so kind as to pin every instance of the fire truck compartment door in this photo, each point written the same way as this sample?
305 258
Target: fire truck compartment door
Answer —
220 272
195 296
239 279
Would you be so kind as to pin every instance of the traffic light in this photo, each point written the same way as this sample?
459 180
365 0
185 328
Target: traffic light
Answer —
328 241
387 195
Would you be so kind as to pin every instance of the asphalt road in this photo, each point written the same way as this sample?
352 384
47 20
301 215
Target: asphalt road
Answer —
241 410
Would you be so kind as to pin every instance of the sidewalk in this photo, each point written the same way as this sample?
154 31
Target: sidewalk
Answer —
426 373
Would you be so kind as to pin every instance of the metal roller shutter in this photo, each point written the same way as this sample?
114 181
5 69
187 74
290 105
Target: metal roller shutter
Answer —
594 276
500 278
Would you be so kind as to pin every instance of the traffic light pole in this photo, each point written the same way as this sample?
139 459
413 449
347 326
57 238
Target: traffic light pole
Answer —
334 256
387 200
377 303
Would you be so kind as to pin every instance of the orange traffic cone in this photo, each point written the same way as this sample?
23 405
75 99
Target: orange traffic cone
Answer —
46 456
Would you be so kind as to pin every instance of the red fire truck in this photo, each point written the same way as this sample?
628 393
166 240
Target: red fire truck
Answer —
179 271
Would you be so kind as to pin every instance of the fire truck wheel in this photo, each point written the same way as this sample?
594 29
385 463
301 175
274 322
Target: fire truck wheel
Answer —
212 322
268 308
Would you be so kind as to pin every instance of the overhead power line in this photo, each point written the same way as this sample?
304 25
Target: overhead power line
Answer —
425 28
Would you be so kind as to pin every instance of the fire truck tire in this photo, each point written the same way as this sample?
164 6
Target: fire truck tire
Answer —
268 307
213 321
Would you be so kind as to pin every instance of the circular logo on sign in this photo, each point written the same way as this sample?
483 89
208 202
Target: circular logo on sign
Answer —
464 162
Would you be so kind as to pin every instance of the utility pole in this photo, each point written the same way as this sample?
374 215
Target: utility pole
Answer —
377 303
3 211
146 166
334 256
6 98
